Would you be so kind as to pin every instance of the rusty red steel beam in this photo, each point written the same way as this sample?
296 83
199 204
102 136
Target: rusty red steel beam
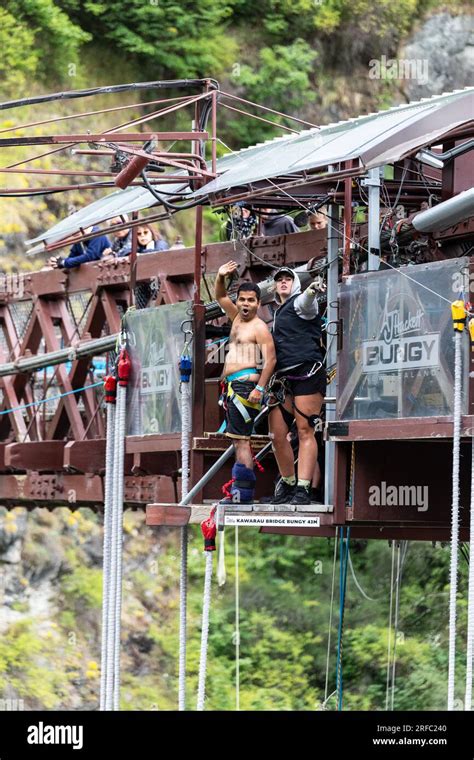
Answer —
45 189
291 249
101 137
83 114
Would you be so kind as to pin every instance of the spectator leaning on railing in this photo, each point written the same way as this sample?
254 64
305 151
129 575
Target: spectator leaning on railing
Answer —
81 253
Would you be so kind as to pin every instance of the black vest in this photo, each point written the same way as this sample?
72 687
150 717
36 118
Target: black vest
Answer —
296 340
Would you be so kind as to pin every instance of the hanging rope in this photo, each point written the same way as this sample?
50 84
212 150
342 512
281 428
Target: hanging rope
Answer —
221 572
470 595
209 529
459 320
389 647
237 621
185 369
395 631
110 397
112 677
330 622
344 554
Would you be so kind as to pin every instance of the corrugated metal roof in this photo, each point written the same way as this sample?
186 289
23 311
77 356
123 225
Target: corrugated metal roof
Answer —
116 204
373 140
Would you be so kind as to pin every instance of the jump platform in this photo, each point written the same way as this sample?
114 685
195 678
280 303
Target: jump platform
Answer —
258 515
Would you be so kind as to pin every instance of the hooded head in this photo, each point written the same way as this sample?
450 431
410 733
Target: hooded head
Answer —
287 283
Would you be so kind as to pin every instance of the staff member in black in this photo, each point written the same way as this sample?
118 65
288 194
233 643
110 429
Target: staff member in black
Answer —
297 337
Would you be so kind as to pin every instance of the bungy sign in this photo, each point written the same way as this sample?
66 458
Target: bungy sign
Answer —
155 343
397 358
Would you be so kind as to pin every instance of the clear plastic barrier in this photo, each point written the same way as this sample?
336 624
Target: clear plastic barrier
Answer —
155 343
397 358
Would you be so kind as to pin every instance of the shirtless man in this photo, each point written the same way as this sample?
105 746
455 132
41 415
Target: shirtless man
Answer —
250 344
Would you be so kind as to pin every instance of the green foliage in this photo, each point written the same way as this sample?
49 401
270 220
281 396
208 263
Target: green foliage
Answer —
24 667
83 586
165 36
38 40
281 79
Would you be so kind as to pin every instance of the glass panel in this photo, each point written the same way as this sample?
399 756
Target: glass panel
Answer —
397 358
155 343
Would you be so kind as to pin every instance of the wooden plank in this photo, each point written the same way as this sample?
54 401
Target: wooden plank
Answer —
42 456
166 442
85 456
169 515
200 512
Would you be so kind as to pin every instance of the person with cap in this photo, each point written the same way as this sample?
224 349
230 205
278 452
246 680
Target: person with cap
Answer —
250 345
300 370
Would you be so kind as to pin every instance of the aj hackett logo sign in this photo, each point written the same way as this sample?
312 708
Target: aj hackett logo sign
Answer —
157 379
402 344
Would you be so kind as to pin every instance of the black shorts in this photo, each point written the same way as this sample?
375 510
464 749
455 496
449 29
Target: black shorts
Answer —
237 425
314 384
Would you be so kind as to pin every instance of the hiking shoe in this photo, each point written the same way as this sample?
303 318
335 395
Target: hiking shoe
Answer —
302 496
283 493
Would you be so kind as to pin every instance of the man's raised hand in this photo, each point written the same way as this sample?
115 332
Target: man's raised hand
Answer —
227 269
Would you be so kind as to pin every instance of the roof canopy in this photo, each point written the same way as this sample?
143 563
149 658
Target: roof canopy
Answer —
373 140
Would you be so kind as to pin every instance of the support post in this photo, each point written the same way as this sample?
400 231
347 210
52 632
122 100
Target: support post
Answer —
331 353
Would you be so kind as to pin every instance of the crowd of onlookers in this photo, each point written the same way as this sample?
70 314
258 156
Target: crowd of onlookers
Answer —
149 239
242 224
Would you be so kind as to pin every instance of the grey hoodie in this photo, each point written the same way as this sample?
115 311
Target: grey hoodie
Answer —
306 306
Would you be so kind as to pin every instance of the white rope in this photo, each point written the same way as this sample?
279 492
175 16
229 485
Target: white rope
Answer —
359 587
389 648
107 546
330 621
204 632
453 572
221 574
237 622
470 596
186 396
395 626
118 547
112 612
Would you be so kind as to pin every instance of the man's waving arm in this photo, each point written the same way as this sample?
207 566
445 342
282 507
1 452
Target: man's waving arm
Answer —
221 291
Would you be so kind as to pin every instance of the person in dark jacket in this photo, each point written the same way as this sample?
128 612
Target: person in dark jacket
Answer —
274 224
300 365
81 253
122 242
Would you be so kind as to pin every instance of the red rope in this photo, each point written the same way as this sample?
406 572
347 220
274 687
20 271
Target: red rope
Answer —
259 466
225 488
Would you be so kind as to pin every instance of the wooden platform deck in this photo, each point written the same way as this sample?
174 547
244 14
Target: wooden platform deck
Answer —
248 515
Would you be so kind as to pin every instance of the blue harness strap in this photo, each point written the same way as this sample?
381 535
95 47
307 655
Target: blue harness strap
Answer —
242 373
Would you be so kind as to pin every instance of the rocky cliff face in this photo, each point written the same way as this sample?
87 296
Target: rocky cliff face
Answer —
50 611
446 43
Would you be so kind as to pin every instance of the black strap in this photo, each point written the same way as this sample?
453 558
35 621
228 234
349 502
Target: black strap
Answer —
244 483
